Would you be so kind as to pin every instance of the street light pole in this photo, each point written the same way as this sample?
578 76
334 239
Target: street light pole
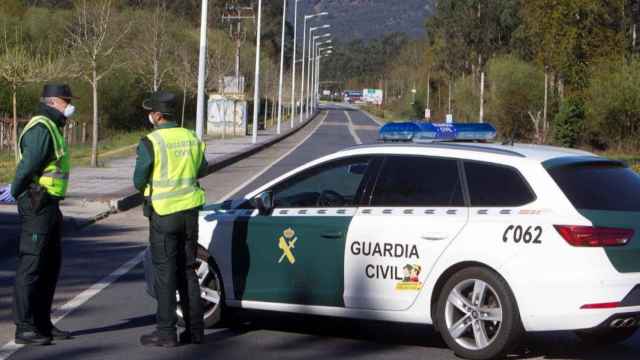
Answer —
317 88
201 71
318 76
314 103
304 49
314 82
317 83
312 41
284 21
293 63
312 54
256 82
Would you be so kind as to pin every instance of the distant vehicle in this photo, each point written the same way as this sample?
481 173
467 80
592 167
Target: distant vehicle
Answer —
482 240
352 97
373 96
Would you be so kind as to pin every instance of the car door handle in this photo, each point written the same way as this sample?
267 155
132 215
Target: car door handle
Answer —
334 235
434 237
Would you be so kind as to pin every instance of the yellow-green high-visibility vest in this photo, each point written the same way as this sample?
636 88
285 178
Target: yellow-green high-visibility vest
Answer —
177 157
55 176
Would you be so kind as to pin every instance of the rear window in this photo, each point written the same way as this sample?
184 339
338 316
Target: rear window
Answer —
493 185
599 185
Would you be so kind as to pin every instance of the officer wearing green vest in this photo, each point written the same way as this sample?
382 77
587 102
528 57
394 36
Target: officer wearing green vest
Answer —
170 160
41 180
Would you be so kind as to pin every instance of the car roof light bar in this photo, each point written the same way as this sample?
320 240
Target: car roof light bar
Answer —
423 132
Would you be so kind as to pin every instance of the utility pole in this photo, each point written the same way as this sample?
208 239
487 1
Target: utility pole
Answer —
236 15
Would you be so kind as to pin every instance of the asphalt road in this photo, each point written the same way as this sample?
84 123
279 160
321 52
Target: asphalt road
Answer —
108 325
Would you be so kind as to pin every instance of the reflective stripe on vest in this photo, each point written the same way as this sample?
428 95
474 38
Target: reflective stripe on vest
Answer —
177 157
55 176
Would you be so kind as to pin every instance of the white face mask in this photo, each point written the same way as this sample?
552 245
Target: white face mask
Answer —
69 111
151 120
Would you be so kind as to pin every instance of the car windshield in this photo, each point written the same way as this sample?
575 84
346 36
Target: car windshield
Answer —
599 185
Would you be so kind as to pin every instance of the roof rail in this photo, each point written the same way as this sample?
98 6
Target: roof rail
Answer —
445 145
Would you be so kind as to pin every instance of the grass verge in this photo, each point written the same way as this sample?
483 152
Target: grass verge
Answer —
116 145
385 115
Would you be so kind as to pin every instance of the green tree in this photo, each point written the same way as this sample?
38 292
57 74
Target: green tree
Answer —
515 96
613 109
569 121
568 35
467 100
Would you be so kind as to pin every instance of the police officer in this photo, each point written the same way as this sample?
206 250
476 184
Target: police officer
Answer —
41 180
170 160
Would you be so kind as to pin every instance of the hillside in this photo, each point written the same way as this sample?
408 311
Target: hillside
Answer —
367 19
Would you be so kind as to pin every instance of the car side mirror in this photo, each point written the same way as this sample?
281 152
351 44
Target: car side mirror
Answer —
264 202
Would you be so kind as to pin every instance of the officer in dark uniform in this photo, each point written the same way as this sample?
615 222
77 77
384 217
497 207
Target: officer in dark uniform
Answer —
170 160
41 181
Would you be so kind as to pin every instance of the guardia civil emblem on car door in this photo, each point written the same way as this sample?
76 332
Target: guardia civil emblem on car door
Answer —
286 243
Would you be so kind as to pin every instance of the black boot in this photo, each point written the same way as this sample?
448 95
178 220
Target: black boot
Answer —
32 338
191 337
157 339
58 334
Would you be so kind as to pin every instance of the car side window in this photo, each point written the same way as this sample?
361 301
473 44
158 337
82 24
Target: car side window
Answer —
418 181
494 185
333 184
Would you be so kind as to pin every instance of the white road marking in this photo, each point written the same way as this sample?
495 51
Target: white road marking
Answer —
60 313
352 130
261 172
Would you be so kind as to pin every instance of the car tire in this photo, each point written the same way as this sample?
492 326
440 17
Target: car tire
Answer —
605 336
211 282
478 330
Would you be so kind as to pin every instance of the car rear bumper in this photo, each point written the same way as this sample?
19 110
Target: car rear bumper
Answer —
574 299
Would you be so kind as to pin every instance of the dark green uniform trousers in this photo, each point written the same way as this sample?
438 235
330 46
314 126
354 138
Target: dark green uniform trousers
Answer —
39 260
173 243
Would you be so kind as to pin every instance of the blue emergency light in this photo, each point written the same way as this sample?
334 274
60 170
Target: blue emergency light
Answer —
431 132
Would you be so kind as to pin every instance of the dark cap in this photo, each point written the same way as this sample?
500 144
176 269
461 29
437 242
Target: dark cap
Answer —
161 101
62 91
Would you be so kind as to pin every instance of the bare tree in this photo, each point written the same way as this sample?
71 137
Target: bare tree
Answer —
185 72
94 37
150 58
220 59
19 65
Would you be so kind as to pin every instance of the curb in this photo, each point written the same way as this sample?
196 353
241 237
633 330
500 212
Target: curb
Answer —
133 198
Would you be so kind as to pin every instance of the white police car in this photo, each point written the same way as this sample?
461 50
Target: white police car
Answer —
484 241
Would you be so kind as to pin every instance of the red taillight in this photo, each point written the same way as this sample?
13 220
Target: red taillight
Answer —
610 305
589 236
